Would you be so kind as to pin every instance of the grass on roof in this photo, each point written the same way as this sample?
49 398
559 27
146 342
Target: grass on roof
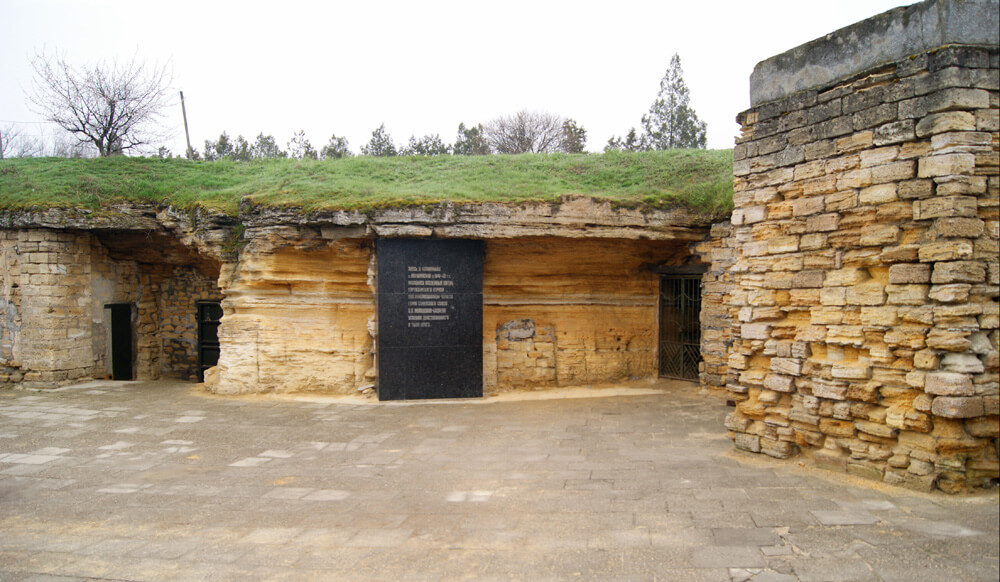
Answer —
698 179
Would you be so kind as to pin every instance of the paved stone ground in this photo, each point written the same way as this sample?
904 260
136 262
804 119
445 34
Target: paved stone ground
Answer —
134 481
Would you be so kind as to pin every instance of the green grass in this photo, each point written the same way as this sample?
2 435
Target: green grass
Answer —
698 179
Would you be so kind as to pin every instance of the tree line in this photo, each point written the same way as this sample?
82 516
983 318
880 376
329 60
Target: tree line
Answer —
523 132
116 109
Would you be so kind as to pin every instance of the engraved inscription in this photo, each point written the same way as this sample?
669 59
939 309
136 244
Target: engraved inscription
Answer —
429 292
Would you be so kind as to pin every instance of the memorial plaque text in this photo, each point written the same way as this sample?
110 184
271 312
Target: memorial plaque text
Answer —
430 318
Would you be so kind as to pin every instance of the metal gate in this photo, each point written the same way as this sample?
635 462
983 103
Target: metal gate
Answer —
209 315
680 326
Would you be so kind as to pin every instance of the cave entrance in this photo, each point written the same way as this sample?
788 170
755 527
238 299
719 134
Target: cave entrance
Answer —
165 295
680 326
121 340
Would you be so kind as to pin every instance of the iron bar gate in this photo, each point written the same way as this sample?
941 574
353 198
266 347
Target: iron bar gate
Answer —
680 326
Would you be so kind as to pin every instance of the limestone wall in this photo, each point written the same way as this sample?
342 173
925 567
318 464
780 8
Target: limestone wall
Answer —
718 251
866 279
179 290
49 325
568 312
54 328
298 312
10 307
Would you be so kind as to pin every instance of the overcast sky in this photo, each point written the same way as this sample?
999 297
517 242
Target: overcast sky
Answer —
419 66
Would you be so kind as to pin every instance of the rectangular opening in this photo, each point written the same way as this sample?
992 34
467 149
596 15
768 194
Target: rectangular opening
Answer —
209 316
680 326
121 340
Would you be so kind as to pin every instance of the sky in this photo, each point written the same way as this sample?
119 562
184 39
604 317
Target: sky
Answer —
420 66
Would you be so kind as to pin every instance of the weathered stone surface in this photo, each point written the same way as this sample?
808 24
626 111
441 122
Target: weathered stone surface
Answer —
958 407
903 274
946 122
963 363
899 34
948 384
945 250
779 383
895 274
959 272
948 340
944 207
952 293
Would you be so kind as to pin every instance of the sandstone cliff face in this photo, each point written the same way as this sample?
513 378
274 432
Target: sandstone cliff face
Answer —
563 312
297 315
300 312
569 294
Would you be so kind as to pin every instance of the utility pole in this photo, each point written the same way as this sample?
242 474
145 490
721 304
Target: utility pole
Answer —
187 136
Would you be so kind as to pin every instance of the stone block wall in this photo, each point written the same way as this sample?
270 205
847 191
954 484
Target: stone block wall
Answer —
49 328
54 328
167 310
866 277
718 251
10 304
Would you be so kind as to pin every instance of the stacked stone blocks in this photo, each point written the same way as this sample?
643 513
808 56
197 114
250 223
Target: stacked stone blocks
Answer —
55 329
719 252
864 306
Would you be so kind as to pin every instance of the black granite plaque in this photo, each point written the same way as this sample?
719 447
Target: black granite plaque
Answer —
430 319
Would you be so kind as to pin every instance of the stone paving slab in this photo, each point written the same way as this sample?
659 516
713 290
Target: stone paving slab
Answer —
158 481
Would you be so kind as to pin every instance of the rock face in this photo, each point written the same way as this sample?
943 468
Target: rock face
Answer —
864 313
297 315
576 306
570 291
561 312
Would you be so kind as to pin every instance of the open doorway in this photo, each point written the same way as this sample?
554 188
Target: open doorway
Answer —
121 341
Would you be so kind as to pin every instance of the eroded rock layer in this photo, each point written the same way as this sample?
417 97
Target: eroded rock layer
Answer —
562 312
297 316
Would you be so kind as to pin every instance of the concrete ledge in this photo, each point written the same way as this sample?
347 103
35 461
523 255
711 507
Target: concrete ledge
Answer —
885 38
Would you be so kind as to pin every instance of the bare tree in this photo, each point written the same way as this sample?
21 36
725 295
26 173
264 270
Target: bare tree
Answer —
525 132
116 107
65 146
9 135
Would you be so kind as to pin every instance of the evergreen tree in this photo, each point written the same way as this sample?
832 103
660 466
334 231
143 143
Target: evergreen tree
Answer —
470 141
630 143
671 122
336 148
380 145
429 145
218 149
241 150
266 148
574 137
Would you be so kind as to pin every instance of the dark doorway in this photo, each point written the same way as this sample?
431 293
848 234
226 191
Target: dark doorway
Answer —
430 319
680 326
121 340
209 316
